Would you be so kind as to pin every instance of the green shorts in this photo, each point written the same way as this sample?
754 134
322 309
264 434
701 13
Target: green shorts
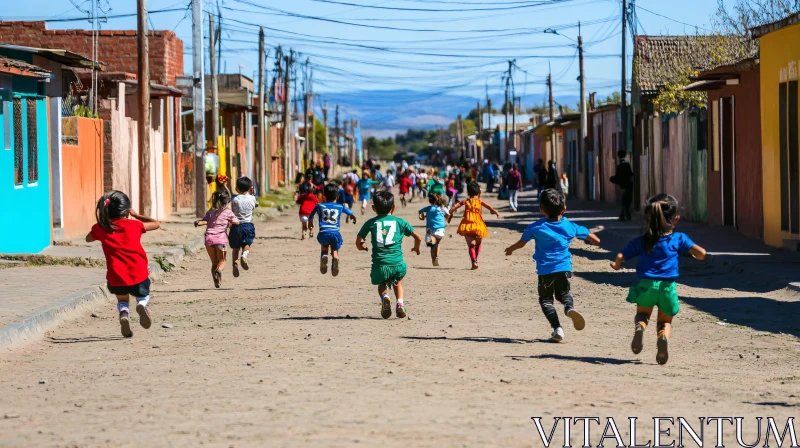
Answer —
387 274
656 293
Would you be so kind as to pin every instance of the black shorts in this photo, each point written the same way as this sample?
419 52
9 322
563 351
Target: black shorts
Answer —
556 285
140 290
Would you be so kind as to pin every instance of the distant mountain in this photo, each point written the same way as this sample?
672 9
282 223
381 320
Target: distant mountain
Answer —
383 113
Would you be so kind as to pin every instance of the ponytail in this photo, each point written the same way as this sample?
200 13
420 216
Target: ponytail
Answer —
659 218
110 207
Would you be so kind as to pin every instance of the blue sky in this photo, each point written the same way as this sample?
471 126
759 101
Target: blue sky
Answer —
455 56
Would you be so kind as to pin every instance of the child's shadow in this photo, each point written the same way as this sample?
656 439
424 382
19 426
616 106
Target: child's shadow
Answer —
277 238
54 340
586 359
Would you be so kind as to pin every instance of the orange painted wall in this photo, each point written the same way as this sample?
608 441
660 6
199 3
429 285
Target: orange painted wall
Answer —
82 176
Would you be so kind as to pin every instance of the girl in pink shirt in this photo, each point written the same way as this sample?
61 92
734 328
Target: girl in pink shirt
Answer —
217 220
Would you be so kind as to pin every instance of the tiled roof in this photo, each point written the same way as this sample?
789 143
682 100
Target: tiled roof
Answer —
658 60
22 68
775 26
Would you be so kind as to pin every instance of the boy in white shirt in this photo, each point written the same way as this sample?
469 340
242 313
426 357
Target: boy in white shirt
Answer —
388 180
242 235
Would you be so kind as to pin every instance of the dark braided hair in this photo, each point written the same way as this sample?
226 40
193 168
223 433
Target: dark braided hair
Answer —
220 198
111 207
659 216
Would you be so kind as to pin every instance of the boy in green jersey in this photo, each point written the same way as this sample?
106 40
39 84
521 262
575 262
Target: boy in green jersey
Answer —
388 267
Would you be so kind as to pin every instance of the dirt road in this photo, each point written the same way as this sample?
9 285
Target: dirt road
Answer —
284 356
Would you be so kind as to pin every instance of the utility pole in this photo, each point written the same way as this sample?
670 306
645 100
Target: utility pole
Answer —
287 117
262 159
305 116
623 95
212 43
505 105
336 133
480 133
144 108
552 110
489 120
514 123
199 114
584 115
335 161
353 150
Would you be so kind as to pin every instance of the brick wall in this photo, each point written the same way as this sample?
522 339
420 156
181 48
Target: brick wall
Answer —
116 48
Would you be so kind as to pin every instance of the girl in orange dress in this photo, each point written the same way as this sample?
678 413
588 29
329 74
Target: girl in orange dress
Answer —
472 227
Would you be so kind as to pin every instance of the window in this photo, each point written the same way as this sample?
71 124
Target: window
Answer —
33 147
18 177
715 130
6 125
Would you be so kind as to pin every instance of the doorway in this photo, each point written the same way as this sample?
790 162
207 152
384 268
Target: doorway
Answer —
728 160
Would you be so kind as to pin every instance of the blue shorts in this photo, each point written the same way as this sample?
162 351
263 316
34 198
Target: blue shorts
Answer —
348 199
332 239
242 235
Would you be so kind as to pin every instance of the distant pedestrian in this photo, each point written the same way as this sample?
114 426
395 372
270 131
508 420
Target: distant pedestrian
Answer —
217 220
623 177
658 251
365 190
541 179
552 177
514 183
119 229
327 165
488 176
564 185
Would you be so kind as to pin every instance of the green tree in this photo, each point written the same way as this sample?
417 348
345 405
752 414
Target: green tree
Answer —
615 97
469 127
381 149
473 114
319 137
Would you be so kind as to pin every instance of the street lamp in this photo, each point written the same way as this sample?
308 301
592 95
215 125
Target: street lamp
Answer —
582 78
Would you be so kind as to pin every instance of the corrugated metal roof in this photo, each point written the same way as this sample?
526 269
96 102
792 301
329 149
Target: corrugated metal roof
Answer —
22 68
65 57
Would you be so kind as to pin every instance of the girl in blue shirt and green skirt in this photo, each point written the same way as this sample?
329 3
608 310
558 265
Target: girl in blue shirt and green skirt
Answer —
658 250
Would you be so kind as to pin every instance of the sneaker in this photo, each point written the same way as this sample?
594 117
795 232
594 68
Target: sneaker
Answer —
436 261
323 265
638 339
577 319
235 269
474 265
144 316
217 279
125 324
303 236
386 307
245 266
335 267
400 311
558 335
663 354
311 234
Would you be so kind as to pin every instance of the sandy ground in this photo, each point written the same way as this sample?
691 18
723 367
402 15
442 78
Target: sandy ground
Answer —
284 356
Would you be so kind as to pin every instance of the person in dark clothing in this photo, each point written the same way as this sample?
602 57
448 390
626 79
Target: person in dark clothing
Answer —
552 176
623 177
514 183
541 178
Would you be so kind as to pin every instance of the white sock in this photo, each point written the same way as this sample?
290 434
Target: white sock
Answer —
122 307
245 254
399 302
142 300
384 296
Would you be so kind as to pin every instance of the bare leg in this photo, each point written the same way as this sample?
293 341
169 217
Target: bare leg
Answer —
640 321
124 320
212 254
323 259
220 259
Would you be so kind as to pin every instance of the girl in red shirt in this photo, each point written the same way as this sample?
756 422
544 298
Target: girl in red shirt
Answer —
119 229
307 201
404 183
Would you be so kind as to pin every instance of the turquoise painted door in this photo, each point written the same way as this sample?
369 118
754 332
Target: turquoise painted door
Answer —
25 175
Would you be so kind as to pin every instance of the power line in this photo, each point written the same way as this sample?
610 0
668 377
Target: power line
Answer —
531 4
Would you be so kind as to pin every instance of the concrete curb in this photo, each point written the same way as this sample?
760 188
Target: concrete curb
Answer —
50 316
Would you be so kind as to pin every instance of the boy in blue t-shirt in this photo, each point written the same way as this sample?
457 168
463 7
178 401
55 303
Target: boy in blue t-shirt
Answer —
330 218
553 234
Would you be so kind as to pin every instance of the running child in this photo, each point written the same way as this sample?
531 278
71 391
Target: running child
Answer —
217 220
307 200
552 235
434 216
472 226
404 184
388 266
241 235
330 214
347 191
365 190
119 229
657 270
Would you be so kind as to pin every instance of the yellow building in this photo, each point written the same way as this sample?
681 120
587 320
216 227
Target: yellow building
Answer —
780 142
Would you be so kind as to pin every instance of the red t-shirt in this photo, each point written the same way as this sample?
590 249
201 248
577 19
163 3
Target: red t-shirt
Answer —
307 203
404 183
125 257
